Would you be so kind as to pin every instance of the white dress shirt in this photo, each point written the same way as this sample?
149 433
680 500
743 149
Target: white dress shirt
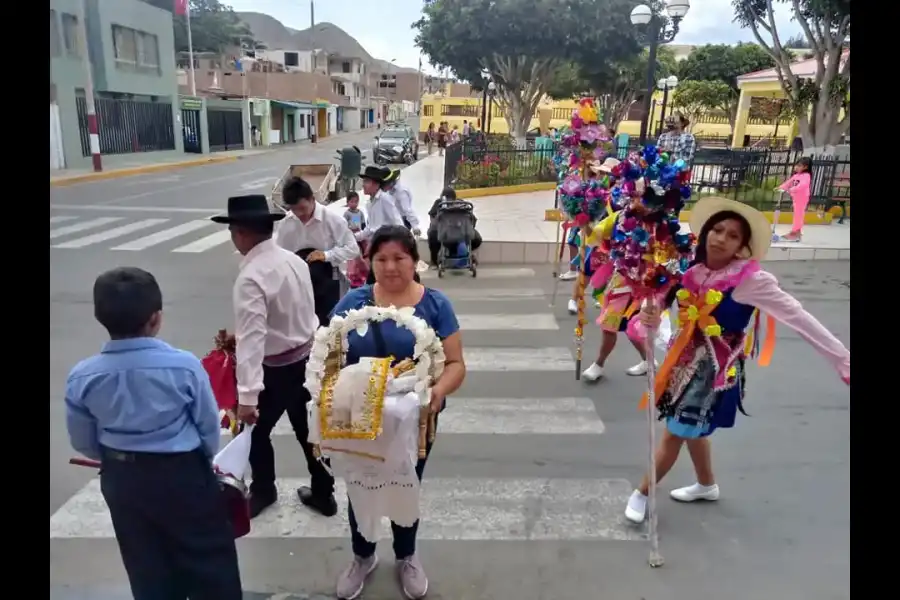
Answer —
274 313
326 231
403 200
381 212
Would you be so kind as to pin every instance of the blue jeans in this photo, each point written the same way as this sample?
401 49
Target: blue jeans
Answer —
404 537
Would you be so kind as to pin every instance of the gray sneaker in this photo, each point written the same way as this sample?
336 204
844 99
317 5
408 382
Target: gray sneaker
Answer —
351 582
413 581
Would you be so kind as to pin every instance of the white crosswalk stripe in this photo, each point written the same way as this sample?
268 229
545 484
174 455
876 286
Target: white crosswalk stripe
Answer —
521 352
111 234
164 235
83 226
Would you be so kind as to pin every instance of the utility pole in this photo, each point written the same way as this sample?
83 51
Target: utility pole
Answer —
315 65
93 129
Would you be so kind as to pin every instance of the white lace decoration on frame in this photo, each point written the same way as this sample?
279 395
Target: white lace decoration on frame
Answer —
428 352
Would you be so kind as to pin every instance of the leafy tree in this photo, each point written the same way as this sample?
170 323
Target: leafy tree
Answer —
616 86
522 44
796 42
215 27
817 100
694 98
723 63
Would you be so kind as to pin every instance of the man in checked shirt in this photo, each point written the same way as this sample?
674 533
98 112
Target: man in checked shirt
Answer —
677 140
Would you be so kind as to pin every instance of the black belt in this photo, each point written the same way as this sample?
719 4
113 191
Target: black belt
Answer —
137 457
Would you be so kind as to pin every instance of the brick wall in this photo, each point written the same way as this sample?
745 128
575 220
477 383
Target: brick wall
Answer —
298 87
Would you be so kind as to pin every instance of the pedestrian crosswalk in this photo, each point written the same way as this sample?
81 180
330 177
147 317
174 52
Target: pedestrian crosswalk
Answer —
133 234
488 479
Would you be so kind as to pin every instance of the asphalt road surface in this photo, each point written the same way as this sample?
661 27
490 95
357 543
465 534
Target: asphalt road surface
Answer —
524 492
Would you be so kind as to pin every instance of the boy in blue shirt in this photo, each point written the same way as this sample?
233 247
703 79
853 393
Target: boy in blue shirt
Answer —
147 412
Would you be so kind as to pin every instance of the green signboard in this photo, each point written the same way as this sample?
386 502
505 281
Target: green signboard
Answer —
191 103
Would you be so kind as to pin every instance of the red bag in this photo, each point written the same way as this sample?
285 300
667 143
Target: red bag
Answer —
220 366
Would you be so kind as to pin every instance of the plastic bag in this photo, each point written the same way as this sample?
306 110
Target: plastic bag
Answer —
234 458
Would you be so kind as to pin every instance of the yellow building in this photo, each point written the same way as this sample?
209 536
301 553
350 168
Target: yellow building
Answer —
455 110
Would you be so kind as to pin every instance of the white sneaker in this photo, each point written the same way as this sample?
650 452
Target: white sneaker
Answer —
636 510
568 276
572 306
695 492
592 373
640 368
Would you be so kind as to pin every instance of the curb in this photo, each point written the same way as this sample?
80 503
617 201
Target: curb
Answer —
503 190
128 172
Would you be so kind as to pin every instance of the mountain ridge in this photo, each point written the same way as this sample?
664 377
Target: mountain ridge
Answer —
326 36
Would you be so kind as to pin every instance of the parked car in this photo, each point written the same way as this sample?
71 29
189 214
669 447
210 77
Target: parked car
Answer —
394 145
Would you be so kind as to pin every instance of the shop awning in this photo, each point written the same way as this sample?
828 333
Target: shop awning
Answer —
292 105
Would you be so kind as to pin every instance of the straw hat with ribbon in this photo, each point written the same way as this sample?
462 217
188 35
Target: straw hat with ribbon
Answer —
760 228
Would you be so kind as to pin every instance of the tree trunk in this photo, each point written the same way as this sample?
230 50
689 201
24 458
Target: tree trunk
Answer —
518 118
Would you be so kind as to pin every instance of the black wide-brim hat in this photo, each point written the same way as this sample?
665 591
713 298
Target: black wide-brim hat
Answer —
248 209
376 173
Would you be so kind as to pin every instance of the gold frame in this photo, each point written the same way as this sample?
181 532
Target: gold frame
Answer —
370 426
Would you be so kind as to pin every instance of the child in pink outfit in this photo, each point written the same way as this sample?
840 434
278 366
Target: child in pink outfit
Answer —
798 186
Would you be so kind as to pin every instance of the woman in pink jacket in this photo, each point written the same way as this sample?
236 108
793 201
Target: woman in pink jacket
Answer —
798 186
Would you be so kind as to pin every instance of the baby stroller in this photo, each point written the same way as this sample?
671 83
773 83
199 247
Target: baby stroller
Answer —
455 232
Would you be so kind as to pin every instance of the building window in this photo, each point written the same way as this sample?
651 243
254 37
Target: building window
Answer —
135 48
70 34
345 67
291 59
302 120
429 110
54 34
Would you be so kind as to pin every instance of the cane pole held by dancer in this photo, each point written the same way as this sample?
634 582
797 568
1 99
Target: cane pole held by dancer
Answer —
655 558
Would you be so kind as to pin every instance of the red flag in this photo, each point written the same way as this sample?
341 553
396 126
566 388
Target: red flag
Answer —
181 7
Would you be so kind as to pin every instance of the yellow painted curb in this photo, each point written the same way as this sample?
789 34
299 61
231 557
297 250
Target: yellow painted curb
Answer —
552 214
503 190
127 172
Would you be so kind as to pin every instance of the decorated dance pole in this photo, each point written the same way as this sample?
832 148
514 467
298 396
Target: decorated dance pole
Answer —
579 300
655 559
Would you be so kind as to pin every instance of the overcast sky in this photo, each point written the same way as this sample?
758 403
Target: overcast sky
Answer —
384 28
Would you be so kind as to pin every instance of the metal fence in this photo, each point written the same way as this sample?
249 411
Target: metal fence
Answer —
226 129
128 126
748 175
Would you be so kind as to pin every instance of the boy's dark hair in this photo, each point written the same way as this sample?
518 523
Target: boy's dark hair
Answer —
352 196
295 190
125 299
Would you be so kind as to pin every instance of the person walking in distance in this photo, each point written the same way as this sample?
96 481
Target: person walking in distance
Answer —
275 320
319 236
403 201
678 140
146 411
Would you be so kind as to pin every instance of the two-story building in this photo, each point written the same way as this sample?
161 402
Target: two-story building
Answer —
350 82
130 48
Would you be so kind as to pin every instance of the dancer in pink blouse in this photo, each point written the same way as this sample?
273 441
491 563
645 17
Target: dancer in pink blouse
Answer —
700 385
798 186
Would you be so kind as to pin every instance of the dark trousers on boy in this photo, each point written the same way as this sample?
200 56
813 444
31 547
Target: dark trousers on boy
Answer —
171 525
284 392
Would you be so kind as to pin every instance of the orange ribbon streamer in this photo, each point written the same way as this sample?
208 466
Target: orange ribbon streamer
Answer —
692 312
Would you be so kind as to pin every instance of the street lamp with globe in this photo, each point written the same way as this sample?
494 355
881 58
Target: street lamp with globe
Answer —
658 25
491 88
665 84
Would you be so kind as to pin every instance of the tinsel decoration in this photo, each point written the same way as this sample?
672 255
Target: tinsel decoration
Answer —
582 195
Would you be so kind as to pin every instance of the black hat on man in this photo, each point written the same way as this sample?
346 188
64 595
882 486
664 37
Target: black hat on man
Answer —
248 209
376 173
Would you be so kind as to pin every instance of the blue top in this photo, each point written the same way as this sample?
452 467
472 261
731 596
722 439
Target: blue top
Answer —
434 308
141 395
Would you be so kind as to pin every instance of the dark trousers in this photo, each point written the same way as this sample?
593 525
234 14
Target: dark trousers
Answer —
171 525
434 246
284 392
326 292
404 537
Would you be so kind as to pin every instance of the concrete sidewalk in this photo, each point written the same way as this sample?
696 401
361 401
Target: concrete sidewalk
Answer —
514 231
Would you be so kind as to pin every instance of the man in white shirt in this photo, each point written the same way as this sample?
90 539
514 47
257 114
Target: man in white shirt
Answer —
275 321
319 236
382 210
403 201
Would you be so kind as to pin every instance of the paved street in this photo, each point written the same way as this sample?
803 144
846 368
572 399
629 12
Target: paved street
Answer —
166 212
524 492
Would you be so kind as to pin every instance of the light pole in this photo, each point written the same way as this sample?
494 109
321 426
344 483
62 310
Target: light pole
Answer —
659 26
491 87
484 99
665 84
